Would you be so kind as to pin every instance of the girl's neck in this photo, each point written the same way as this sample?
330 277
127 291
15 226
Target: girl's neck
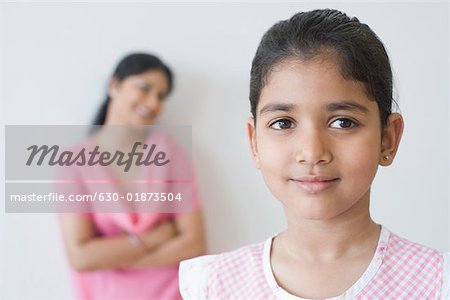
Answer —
330 240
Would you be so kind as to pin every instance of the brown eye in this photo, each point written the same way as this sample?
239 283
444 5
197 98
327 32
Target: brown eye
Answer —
343 123
282 124
145 88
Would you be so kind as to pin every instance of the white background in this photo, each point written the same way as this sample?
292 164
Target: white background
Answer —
55 60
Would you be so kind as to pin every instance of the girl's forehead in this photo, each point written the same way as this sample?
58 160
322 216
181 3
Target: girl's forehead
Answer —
320 67
311 82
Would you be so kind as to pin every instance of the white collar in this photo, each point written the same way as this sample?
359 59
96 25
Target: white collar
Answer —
357 287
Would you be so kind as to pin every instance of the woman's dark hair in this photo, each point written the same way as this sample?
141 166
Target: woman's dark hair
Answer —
133 64
359 52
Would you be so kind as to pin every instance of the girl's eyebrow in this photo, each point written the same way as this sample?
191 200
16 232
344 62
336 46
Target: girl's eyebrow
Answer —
331 107
347 105
276 107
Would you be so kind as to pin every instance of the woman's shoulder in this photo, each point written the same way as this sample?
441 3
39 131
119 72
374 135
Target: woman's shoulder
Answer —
201 277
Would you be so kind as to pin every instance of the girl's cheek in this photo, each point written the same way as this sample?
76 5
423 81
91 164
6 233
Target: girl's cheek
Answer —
273 157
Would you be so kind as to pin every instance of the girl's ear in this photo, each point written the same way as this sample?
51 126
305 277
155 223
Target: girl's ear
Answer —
390 140
251 131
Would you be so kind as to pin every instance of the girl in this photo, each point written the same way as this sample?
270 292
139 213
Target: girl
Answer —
129 255
321 98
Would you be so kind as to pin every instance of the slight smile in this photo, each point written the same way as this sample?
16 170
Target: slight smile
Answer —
313 184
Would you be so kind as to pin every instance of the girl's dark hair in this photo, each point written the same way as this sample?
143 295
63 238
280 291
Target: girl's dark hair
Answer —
133 64
360 54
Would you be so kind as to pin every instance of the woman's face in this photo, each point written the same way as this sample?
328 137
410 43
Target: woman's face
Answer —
318 139
138 99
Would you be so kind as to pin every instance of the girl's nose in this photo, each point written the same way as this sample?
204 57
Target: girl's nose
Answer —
313 148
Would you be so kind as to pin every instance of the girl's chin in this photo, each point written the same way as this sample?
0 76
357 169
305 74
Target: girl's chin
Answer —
316 213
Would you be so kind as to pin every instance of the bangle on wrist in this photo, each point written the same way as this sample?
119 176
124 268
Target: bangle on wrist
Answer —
134 239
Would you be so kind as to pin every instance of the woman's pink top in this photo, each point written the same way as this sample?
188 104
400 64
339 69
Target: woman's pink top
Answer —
133 284
130 284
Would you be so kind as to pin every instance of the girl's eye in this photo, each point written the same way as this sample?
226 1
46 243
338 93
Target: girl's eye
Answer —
282 124
343 123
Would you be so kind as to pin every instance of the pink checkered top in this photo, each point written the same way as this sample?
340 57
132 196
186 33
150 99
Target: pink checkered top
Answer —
399 270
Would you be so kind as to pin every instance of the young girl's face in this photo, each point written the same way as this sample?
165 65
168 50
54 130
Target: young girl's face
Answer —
318 138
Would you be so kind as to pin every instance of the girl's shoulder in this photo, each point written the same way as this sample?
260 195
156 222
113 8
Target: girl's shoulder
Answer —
193 274
420 262
208 276
403 248
446 277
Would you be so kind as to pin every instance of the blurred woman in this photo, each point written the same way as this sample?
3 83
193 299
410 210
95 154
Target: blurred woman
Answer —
131 255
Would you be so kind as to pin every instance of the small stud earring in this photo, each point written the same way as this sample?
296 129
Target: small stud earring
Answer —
386 157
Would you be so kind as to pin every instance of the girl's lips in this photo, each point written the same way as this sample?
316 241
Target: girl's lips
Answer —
315 184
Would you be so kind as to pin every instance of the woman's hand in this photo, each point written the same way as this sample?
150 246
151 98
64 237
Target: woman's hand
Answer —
87 251
158 234
164 245
188 240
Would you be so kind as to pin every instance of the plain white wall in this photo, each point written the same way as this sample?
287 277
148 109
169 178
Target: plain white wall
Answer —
56 58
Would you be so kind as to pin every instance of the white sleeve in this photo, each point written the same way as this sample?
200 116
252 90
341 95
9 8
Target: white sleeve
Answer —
446 277
193 276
